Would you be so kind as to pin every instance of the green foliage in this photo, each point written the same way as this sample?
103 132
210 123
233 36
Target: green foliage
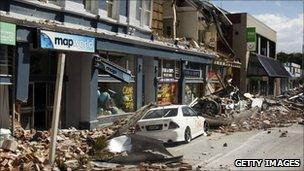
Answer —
291 57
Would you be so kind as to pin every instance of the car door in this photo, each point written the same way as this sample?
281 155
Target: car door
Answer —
190 119
199 121
195 121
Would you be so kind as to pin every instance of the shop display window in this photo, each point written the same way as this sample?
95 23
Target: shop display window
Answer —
116 98
167 93
124 61
6 59
168 69
192 91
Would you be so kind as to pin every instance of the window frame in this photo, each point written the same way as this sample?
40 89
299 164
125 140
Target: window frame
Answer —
143 9
189 110
54 2
184 113
92 3
115 9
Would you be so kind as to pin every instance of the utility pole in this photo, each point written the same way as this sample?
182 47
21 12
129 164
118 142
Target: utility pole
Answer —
56 110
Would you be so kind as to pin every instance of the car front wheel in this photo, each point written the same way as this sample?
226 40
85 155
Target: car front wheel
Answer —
206 127
187 135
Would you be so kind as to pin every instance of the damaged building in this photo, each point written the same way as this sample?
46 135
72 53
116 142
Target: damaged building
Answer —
120 55
206 28
115 63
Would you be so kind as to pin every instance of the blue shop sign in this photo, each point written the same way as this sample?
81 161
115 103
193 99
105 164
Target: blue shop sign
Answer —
192 73
62 41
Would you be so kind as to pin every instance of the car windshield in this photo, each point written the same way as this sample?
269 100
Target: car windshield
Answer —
160 113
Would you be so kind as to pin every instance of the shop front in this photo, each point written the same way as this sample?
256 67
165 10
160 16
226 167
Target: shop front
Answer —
37 77
167 81
7 52
155 76
116 96
195 82
264 73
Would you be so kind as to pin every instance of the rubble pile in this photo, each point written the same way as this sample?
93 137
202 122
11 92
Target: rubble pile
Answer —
280 112
265 119
186 44
75 150
31 152
221 104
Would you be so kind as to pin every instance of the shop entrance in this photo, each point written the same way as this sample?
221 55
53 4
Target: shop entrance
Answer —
44 99
37 111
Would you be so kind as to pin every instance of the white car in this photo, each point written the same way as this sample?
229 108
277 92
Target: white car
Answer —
172 123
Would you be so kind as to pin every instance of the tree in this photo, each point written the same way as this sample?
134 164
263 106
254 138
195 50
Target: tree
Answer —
291 57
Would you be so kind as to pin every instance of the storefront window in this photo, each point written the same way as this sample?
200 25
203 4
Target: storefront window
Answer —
115 98
192 91
6 59
168 69
167 93
123 61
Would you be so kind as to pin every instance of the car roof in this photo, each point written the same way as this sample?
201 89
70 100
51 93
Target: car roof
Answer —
168 107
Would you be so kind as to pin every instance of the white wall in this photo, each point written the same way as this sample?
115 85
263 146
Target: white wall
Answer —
261 28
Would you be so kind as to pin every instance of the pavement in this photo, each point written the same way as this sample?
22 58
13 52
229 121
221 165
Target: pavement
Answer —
219 151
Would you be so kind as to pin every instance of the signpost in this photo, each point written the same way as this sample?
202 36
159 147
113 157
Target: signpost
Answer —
251 38
57 102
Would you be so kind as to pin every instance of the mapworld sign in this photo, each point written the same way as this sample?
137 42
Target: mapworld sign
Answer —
251 39
62 41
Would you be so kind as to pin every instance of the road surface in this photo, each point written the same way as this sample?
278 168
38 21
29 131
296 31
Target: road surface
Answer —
210 153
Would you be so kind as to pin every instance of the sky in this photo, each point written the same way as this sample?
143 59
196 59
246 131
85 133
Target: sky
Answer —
284 16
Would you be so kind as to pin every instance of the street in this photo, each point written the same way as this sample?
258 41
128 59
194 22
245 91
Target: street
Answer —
208 152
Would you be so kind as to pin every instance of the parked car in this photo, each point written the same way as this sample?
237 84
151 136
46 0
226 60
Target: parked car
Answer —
172 123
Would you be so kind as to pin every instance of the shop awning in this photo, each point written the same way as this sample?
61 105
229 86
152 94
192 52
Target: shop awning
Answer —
260 65
112 69
144 50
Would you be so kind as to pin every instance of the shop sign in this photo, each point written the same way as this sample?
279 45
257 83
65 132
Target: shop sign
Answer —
168 72
251 38
62 41
7 33
116 73
192 73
